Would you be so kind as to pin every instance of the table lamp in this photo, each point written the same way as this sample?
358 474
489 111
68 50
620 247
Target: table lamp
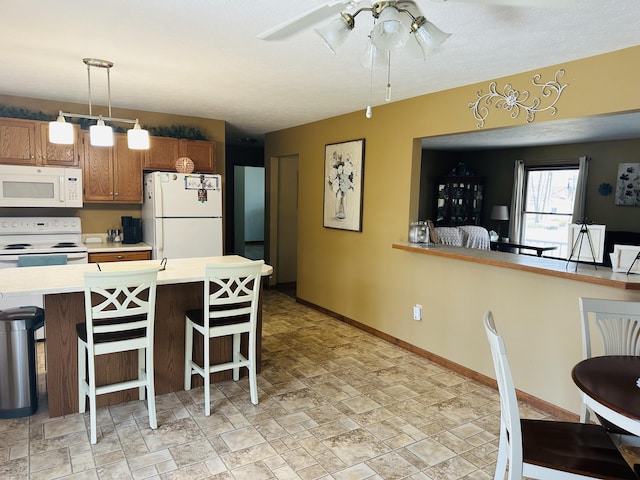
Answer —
501 214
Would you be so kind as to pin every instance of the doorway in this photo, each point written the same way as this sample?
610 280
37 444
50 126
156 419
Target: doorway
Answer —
249 211
284 212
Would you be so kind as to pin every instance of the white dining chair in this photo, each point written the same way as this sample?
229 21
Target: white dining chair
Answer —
546 449
231 293
618 323
120 316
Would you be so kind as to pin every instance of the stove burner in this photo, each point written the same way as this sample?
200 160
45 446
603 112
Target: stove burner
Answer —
17 246
64 245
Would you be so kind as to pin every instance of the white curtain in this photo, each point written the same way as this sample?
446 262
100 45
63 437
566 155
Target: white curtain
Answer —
517 202
581 191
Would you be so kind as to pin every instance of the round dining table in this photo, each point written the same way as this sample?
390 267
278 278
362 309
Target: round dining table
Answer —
609 385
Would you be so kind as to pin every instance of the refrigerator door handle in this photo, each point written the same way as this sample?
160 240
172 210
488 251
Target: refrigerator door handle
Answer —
158 199
160 238
160 214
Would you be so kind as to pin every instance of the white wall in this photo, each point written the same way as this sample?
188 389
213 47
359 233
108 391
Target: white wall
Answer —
253 204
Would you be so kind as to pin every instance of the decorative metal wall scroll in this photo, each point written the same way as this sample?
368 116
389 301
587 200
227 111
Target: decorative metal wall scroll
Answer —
514 100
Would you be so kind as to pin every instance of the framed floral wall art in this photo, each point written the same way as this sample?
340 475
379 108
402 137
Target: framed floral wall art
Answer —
628 186
344 181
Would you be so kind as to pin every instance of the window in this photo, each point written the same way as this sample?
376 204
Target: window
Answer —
548 207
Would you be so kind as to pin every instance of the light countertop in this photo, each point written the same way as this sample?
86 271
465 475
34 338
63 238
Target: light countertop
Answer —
581 272
69 278
97 243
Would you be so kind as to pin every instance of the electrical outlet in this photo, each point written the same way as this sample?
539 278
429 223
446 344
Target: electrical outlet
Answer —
417 312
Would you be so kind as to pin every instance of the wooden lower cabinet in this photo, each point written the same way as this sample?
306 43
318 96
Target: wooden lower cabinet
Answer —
103 257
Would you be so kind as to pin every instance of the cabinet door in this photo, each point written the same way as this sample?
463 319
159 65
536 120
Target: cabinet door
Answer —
58 155
127 172
97 171
201 152
162 154
18 142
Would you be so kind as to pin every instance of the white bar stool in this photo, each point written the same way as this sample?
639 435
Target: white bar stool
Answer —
231 293
120 315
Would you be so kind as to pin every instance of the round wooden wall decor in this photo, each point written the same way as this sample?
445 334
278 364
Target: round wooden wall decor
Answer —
184 165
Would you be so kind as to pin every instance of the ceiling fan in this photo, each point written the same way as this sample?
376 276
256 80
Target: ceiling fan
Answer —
398 24
324 11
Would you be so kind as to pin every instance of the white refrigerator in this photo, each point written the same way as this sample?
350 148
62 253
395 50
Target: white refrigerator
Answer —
182 214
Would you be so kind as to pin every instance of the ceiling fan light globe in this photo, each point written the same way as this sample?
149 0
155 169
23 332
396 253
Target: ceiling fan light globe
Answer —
429 36
391 31
374 57
335 32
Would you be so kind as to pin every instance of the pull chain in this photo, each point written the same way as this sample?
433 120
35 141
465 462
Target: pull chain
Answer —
388 92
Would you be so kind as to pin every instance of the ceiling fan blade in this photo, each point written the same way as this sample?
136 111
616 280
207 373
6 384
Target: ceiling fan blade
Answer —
410 6
522 3
306 19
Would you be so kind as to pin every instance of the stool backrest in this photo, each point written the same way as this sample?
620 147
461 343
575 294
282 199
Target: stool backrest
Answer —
120 301
232 289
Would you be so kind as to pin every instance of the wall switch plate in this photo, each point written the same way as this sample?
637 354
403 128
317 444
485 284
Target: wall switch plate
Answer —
417 312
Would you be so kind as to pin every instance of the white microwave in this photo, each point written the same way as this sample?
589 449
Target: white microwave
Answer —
26 186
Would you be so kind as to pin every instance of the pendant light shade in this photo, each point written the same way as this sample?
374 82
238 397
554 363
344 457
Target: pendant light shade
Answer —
137 138
101 135
61 132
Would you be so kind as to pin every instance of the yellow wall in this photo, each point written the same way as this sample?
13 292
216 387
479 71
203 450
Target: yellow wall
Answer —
96 218
360 276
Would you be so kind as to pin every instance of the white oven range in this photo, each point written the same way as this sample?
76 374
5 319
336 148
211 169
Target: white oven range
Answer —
30 240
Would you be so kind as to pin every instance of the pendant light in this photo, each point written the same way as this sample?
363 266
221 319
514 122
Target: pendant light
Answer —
100 134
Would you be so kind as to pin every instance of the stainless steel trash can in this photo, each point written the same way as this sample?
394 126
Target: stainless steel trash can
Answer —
18 371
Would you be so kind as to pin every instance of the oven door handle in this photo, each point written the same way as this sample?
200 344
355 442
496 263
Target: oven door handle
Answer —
76 256
13 259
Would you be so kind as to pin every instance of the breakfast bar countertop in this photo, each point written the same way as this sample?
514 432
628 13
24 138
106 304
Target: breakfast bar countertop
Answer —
69 278
581 272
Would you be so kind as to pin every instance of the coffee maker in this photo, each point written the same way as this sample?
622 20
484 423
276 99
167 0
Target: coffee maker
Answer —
131 230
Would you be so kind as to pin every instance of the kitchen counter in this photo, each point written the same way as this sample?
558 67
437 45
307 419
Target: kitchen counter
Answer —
179 289
102 246
69 278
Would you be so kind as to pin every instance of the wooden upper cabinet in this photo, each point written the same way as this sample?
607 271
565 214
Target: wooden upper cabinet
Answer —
18 142
58 155
111 174
164 152
127 172
97 171
201 152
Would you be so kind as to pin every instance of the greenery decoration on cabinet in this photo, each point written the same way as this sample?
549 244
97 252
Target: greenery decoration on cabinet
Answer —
459 198
173 131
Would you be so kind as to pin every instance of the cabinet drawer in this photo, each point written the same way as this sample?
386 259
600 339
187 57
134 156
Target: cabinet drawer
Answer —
119 256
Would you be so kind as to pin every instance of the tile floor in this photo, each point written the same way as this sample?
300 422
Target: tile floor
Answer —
335 403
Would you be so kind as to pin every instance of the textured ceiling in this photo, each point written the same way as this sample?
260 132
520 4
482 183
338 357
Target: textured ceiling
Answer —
203 57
